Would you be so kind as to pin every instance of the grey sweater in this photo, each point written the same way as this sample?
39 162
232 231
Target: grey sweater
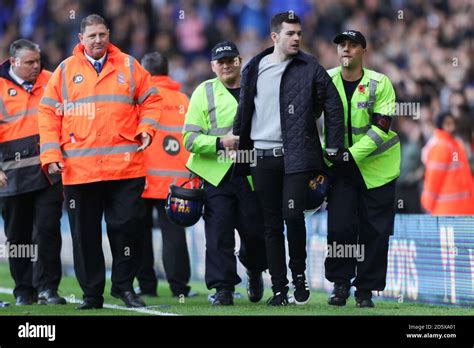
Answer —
266 125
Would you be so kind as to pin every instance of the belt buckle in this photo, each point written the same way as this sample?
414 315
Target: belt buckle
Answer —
278 149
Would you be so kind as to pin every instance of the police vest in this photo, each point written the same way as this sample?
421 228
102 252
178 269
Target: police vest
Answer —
376 153
211 113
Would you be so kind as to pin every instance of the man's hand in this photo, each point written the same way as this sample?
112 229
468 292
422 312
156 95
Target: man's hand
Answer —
231 141
55 168
342 157
3 179
145 140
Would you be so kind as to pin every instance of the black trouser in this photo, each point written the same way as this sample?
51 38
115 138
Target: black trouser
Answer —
120 201
175 252
232 205
33 218
283 198
358 216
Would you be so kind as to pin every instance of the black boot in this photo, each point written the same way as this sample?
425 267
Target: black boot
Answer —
339 295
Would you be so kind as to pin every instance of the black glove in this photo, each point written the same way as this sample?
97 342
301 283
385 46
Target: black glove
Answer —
341 158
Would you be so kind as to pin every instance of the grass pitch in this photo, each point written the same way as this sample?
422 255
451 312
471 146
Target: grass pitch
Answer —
166 304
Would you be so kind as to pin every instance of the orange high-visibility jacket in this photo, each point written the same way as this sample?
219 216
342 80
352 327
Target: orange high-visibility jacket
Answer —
92 122
19 138
448 185
165 159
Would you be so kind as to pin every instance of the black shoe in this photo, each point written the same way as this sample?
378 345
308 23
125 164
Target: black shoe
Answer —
339 295
25 300
278 299
50 297
130 298
254 286
364 299
141 293
301 293
89 304
4 304
223 297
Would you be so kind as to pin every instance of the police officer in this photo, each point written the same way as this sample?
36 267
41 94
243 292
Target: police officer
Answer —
98 113
32 201
165 162
361 203
230 202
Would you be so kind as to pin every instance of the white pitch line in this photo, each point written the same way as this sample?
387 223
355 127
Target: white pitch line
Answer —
9 291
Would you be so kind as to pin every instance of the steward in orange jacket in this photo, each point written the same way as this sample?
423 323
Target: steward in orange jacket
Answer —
448 185
97 108
165 162
29 198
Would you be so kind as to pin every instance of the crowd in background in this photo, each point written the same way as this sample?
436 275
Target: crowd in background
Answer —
425 47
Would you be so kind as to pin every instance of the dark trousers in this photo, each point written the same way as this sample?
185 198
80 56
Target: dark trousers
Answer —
283 198
120 201
175 252
358 216
33 218
232 205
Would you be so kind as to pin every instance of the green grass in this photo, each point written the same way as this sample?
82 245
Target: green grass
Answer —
200 306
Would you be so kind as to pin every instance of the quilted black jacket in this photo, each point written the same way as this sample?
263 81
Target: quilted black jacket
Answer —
305 91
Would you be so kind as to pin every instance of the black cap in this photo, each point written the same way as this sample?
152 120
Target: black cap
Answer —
352 35
225 49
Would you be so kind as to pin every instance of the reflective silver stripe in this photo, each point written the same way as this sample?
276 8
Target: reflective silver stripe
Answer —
443 166
21 114
48 146
27 162
109 150
176 173
448 196
220 131
3 109
132 81
385 146
375 137
372 90
152 90
211 105
50 101
215 131
193 128
359 130
177 129
63 84
151 121
118 98
190 141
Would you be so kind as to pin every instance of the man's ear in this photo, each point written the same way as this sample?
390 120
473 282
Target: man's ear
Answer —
274 37
81 37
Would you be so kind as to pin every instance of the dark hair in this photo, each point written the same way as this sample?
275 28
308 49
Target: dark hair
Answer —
92 19
279 18
441 117
155 63
23 44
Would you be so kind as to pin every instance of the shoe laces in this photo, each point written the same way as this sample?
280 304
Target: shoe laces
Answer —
301 283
